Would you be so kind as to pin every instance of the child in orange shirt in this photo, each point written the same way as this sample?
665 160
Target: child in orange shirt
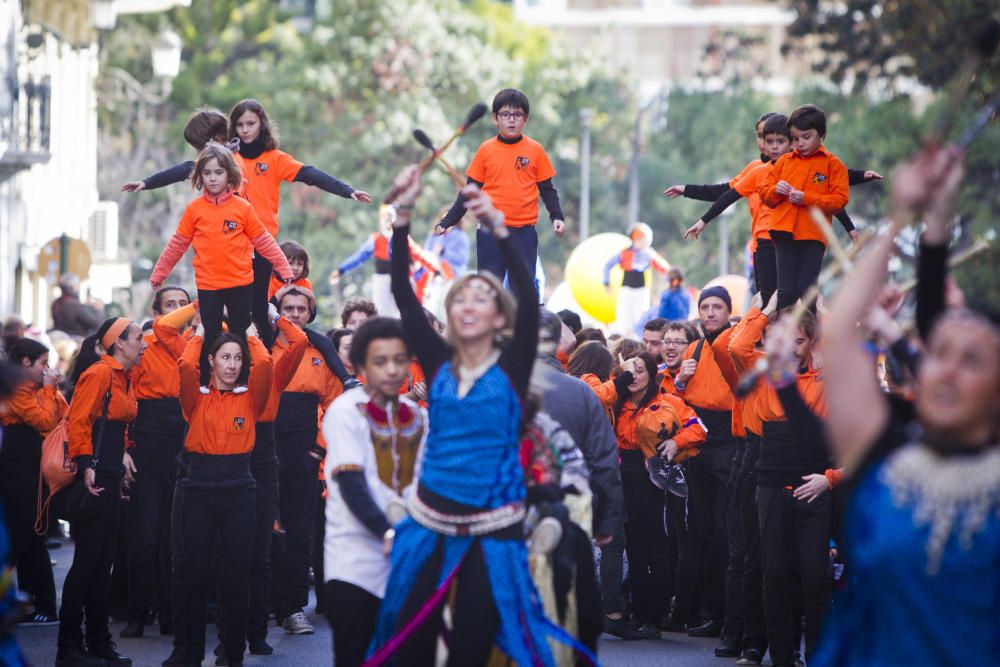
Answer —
807 177
513 170
298 261
266 168
224 229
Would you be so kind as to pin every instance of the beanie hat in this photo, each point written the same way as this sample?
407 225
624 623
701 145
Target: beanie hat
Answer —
717 291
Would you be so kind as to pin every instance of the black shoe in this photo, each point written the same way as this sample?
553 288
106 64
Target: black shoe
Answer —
166 628
752 655
132 630
177 659
729 648
71 654
618 627
710 629
221 660
673 625
648 631
260 647
110 655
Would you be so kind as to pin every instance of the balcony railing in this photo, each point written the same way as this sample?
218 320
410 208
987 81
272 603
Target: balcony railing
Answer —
25 126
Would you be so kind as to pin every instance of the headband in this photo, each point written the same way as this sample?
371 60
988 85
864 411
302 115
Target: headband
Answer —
114 331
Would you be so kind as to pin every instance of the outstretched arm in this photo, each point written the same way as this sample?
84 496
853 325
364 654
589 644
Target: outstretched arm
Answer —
176 174
172 254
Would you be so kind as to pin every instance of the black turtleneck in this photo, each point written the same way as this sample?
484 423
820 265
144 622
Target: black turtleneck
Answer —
253 149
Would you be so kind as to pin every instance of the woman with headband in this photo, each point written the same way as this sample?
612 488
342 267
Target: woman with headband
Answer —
103 404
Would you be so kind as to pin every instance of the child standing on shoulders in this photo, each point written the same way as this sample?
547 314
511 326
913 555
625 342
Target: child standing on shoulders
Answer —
266 168
633 297
379 435
513 170
808 176
298 261
224 230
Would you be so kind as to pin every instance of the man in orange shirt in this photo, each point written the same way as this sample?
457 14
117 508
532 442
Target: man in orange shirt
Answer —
513 170
702 384
807 177
300 448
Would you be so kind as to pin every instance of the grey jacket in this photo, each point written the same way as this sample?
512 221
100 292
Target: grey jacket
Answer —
575 406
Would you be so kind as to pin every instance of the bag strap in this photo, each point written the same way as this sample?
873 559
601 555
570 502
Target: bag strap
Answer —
697 350
100 429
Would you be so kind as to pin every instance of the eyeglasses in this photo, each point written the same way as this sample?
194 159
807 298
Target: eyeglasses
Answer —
672 342
507 115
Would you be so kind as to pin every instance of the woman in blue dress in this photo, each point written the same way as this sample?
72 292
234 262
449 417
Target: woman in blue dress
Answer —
922 528
466 518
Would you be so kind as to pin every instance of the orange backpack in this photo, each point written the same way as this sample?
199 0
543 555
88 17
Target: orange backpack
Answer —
57 472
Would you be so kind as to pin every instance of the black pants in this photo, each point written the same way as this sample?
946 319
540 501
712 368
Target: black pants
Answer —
707 481
590 619
613 575
794 536
86 590
799 264
297 502
237 302
765 269
262 270
352 613
475 621
754 633
226 514
688 566
266 511
319 537
155 458
178 566
19 470
525 239
645 539
734 617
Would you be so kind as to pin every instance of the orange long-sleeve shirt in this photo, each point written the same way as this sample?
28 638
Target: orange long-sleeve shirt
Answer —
277 283
264 175
748 185
223 422
313 376
156 375
823 180
88 403
744 353
707 388
287 359
641 428
40 407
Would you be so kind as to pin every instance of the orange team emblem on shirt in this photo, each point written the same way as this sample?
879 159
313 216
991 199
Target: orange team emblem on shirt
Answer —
317 361
239 423
818 178
521 163
259 168
229 226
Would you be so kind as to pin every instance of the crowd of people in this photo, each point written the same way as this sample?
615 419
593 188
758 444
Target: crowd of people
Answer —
508 484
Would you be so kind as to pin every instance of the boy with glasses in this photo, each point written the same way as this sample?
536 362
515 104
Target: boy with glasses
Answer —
513 170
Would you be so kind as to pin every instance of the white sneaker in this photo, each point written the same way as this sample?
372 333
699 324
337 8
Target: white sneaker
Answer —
297 624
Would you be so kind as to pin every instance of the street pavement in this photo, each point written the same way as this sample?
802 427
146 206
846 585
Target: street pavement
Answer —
316 650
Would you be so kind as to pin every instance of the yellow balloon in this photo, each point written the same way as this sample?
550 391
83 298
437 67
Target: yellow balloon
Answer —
737 286
584 271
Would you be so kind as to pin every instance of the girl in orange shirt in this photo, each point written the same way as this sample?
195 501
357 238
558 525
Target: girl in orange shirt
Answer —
649 424
157 436
266 168
224 230
298 260
35 409
103 404
219 488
